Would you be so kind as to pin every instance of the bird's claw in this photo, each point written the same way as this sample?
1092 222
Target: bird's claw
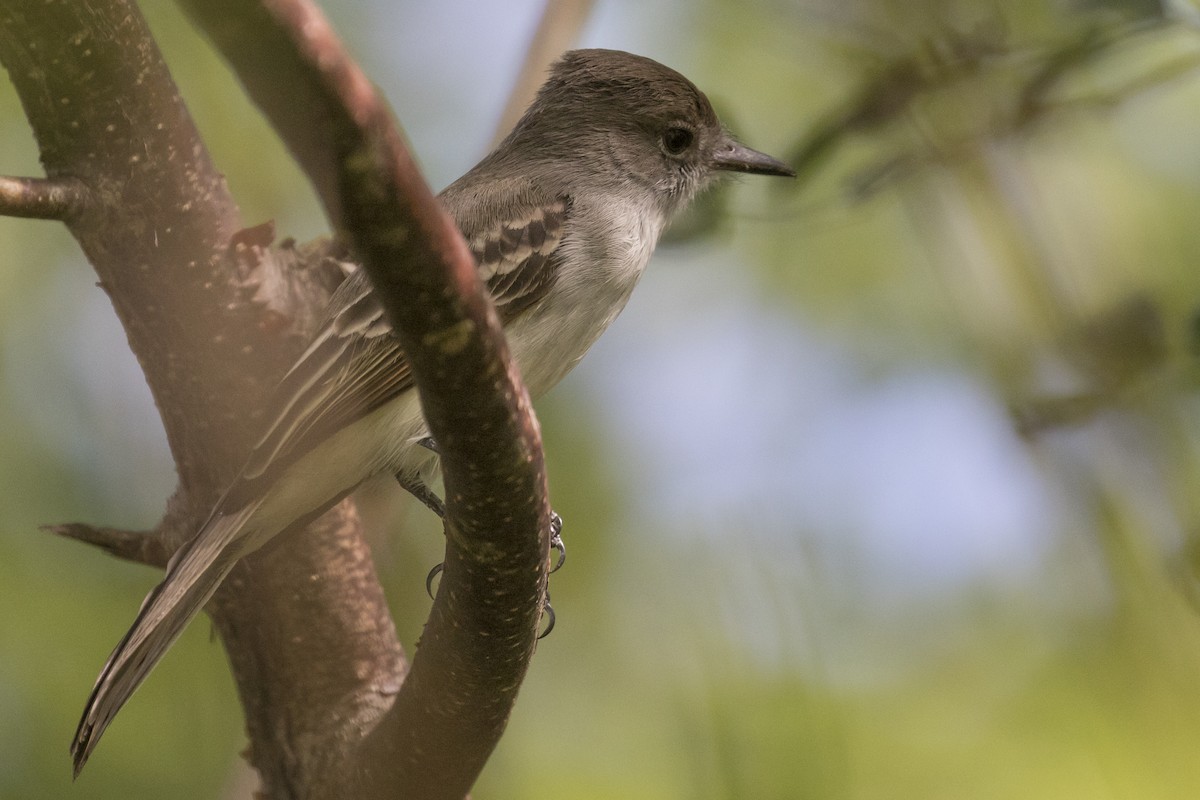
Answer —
548 611
433 573
556 541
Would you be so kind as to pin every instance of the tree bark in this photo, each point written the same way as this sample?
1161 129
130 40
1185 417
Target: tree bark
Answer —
214 315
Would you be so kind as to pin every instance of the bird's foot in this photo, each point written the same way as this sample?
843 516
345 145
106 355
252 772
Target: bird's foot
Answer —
556 545
547 609
419 490
556 541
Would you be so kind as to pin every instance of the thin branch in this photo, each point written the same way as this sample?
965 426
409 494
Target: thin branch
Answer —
140 547
42 198
476 647
559 28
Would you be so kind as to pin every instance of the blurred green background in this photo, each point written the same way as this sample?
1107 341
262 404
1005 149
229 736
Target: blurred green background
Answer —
884 486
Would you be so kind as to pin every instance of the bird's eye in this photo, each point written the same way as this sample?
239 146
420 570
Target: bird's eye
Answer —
676 139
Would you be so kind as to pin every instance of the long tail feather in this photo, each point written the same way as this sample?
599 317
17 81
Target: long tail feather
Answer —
193 575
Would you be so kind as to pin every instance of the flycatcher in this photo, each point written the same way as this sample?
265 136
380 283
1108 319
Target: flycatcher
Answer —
562 217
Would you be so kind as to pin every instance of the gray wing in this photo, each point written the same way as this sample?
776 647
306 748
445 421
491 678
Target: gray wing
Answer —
354 364
518 257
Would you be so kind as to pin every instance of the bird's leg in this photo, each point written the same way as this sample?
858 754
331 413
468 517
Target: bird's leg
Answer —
434 503
417 488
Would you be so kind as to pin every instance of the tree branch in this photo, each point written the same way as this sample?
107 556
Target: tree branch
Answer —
213 318
481 633
41 198
140 547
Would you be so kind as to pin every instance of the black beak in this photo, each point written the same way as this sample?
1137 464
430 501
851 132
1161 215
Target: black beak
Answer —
735 157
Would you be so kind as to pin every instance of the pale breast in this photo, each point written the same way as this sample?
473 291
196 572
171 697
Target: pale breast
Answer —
604 253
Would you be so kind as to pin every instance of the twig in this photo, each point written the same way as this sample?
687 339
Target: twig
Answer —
140 547
41 198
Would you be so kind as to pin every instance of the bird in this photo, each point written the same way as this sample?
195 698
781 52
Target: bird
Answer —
561 217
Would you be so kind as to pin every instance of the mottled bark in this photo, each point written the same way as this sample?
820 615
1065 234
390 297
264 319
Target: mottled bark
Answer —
214 315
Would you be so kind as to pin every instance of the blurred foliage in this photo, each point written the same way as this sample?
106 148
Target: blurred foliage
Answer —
1003 193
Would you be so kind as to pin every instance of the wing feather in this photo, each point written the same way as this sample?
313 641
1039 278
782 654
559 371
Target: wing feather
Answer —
355 363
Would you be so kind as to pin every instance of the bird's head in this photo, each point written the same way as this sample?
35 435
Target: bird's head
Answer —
628 119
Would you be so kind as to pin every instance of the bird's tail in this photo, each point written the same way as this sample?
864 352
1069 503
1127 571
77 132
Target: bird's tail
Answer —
194 573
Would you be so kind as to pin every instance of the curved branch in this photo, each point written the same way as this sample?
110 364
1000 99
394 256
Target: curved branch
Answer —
481 632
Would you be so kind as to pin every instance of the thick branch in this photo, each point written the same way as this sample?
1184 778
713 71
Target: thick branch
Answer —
41 198
307 628
107 116
481 632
